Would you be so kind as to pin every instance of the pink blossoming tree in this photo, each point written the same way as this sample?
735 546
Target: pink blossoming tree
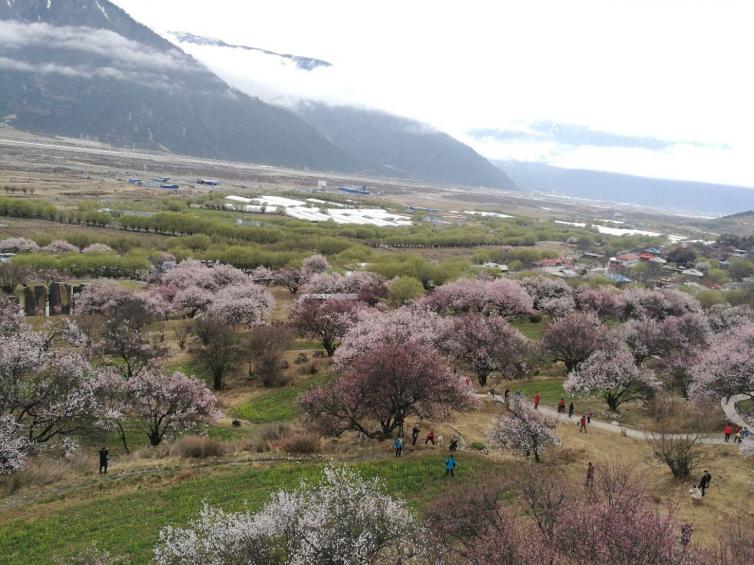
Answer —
170 403
97 249
727 367
603 301
486 345
384 386
325 320
60 246
375 329
574 338
315 264
18 245
242 304
504 297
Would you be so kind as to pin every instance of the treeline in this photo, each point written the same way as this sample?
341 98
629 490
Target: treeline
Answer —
109 265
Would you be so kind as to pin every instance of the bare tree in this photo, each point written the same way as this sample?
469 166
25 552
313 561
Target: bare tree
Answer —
182 331
219 351
266 346
680 452
545 497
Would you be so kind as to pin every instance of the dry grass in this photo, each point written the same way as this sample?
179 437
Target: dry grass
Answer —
197 447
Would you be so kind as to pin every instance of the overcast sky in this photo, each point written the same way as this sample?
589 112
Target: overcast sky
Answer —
672 78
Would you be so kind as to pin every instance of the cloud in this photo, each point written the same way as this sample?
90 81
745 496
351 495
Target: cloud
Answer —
145 79
118 50
575 136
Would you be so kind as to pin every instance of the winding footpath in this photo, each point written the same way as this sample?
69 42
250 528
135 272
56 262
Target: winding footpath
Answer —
728 407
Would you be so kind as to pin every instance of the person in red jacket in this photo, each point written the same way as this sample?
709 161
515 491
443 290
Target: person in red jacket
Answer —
561 405
430 437
537 398
728 431
582 424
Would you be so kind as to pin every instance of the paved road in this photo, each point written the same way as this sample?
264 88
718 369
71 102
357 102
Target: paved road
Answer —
729 408
609 427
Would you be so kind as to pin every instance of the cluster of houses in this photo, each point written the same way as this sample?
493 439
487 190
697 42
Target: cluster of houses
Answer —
168 183
620 268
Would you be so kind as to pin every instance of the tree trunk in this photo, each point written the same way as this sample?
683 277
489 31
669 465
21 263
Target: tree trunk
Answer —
122 435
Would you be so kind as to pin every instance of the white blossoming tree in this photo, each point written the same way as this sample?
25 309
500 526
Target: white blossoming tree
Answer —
342 519
615 374
523 429
13 446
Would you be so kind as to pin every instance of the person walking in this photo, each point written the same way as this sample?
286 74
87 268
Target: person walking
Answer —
704 483
728 431
561 406
589 475
589 416
104 457
414 435
507 395
450 466
582 424
398 444
571 408
453 445
537 398
430 437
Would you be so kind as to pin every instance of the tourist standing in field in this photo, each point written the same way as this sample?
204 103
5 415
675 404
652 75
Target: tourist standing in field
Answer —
430 437
398 444
414 435
507 395
582 424
589 416
728 431
561 406
450 466
704 483
571 408
537 398
104 457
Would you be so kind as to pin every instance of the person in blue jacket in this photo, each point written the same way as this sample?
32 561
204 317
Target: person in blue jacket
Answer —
398 444
450 466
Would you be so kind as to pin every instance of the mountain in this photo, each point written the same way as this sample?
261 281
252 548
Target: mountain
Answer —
304 63
396 146
378 142
85 68
612 187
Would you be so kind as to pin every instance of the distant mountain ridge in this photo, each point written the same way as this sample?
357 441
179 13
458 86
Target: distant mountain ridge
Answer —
396 146
85 68
613 187
305 63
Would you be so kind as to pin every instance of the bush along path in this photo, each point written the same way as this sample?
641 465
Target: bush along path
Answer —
611 427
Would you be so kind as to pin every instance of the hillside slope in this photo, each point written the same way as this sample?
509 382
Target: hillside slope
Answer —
85 68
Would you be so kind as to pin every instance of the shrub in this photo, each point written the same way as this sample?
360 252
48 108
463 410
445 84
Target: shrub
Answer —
478 445
301 443
198 447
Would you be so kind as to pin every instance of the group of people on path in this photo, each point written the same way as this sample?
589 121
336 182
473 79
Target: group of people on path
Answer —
738 433
450 462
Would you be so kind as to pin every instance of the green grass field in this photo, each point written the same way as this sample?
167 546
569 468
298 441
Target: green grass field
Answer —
531 330
128 523
276 405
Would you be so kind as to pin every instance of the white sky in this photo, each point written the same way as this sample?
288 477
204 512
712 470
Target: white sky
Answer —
674 70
